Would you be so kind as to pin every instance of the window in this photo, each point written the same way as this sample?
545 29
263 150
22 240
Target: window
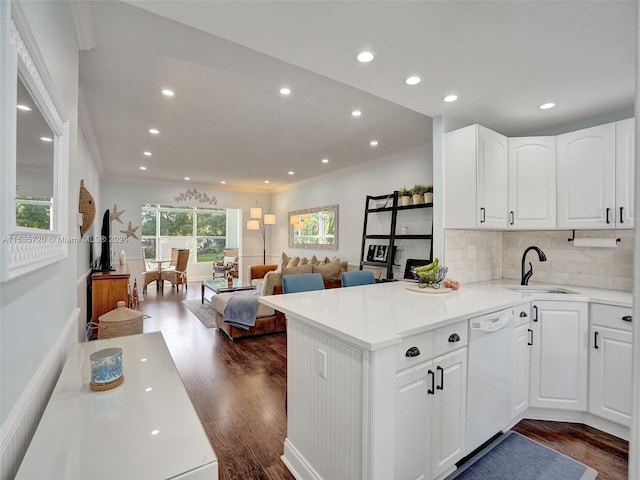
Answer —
33 212
199 229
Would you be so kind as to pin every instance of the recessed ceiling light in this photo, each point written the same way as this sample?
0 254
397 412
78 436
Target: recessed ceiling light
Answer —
46 139
547 106
373 143
413 80
365 56
147 154
325 160
285 91
143 168
450 98
223 181
168 93
356 113
187 178
24 108
154 131
155 432
290 172
266 181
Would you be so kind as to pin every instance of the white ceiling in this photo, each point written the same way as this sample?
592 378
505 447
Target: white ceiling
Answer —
227 60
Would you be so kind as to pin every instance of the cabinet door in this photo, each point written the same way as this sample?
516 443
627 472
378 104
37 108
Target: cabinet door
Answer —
413 419
610 380
532 182
586 178
449 407
459 177
559 355
625 172
492 179
520 371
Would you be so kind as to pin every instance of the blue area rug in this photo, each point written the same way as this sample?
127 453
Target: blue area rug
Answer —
515 457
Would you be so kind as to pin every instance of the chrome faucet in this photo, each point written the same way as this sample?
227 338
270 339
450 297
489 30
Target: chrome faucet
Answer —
526 276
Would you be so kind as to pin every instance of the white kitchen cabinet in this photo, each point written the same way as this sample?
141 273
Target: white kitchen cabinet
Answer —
430 406
532 182
413 419
492 187
448 414
625 172
521 362
586 177
559 355
610 360
475 178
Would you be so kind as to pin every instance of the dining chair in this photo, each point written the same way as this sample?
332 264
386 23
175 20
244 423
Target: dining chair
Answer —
149 273
357 277
178 276
303 282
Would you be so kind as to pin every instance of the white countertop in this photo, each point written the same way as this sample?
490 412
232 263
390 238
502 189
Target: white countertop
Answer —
146 428
376 316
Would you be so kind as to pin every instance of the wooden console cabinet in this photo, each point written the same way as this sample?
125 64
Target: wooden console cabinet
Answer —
107 288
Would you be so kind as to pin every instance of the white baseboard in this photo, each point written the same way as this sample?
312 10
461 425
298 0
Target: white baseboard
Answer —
18 429
297 464
585 418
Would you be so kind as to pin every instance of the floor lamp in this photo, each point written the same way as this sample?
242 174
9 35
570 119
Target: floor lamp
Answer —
260 222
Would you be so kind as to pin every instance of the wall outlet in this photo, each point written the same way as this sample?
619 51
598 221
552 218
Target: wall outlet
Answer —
321 361
471 252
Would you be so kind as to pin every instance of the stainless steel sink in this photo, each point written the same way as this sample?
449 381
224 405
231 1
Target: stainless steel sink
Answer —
534 289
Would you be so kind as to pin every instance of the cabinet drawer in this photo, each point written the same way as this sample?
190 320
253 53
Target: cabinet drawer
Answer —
407 356
450 338
610 316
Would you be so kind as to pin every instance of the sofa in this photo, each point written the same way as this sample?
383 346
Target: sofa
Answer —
268 281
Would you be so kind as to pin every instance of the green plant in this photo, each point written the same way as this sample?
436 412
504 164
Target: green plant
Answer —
419 189
404 192
429 189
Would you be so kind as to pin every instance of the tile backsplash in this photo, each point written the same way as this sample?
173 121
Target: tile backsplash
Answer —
499 254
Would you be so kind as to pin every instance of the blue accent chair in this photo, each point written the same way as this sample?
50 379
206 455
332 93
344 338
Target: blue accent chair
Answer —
303 282
357 277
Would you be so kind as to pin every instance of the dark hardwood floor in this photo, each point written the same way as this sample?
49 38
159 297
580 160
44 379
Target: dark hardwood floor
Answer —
238 390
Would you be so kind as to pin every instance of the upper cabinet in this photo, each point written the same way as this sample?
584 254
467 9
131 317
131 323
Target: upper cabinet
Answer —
491 201
475 178
625 172
586 177
577 180
532 182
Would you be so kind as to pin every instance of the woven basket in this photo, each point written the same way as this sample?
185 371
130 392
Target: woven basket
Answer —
120 322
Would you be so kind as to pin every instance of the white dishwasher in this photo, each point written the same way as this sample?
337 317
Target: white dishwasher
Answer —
489 376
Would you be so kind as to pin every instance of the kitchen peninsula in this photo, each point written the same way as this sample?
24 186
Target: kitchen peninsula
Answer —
377 374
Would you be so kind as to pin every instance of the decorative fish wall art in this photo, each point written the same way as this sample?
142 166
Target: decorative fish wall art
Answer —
87 209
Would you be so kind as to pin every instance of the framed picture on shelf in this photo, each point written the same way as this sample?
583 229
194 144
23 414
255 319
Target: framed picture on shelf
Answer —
371 253
380 254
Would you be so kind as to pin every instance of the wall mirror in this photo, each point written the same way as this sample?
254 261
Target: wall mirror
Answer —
34 137
314 228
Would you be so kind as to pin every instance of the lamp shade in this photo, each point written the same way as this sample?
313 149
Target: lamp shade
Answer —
253 224
255 212
269 219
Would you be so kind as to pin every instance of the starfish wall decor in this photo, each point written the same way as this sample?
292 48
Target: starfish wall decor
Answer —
131 231
201 197
115 214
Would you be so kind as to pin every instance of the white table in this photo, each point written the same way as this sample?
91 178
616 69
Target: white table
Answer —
146 428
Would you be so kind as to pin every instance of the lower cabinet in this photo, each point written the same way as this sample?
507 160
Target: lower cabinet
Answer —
430 416
559 355
610 361
521 362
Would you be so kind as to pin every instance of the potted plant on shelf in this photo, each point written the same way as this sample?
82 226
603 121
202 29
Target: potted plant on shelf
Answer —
418 192
405 196
428 194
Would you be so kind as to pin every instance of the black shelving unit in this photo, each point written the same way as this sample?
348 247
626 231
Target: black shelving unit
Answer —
391 237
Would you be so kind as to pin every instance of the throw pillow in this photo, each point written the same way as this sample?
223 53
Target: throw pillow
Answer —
228 260
297 270
271 279
329 271
344 266
303 261
288 261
